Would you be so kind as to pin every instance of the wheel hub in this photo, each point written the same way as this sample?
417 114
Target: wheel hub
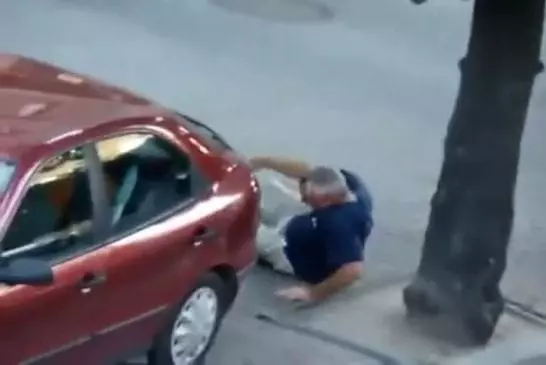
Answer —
194 326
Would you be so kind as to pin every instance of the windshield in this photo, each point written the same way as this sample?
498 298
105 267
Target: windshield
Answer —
7 168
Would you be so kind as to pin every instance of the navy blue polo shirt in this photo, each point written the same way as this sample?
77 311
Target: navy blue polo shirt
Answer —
322 241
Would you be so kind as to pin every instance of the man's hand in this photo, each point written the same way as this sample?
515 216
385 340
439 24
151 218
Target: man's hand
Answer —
296 294
341 279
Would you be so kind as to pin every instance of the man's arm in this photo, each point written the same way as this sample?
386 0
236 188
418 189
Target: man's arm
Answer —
344 254
289 167
341 279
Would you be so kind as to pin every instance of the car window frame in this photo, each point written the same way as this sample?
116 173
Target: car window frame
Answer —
97 226
109 237
101 228
217 142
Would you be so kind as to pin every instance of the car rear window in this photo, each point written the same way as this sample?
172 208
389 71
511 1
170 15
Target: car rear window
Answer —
207 133
7 168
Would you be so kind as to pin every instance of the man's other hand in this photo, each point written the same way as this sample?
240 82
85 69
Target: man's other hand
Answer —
296 294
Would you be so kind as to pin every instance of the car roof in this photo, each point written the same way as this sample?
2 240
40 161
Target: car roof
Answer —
40 102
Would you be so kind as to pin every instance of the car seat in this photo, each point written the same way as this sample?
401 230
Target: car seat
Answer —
124 193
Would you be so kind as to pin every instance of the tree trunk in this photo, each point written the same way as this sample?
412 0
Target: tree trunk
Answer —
464 253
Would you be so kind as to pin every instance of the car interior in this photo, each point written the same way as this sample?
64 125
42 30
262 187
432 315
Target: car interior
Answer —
148 180
54 219
41 226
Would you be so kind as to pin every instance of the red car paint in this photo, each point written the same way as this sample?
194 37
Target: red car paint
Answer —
45 110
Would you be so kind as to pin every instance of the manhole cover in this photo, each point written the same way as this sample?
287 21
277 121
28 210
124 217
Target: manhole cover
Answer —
535 360
286 11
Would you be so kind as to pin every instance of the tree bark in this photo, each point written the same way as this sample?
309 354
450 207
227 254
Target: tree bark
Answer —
464 253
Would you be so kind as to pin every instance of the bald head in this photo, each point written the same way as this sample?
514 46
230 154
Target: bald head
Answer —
327 181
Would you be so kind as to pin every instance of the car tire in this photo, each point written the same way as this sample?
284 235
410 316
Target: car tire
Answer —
211 288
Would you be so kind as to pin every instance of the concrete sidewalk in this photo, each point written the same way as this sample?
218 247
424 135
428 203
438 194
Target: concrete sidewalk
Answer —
370 319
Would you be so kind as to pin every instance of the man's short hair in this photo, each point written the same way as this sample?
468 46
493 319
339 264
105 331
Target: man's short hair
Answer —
324 180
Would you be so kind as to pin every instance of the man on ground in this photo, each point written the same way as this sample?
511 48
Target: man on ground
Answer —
325 246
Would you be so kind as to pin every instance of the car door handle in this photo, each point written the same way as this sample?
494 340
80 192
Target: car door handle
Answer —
203 234
91 280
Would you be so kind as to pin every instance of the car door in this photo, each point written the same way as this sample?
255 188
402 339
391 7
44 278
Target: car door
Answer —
53 324
155 241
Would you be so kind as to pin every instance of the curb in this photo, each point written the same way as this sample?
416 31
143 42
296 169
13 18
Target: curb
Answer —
322 336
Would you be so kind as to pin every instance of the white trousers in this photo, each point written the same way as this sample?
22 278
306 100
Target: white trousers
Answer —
280 202
270 242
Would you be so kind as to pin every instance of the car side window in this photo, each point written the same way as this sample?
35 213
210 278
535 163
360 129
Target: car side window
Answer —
145 177
54 219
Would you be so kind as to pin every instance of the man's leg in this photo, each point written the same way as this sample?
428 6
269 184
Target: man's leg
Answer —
270 243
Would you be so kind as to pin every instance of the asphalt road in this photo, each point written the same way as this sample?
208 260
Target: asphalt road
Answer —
364 84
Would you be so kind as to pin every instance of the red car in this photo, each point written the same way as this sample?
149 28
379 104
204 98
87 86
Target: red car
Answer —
125 226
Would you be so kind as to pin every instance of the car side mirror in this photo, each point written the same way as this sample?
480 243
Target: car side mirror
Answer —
25 271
